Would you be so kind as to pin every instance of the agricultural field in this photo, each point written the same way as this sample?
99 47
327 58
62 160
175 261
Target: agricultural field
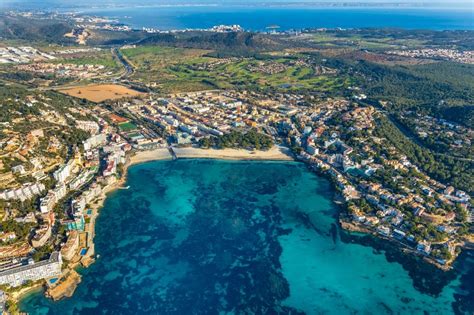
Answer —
100 92
180 70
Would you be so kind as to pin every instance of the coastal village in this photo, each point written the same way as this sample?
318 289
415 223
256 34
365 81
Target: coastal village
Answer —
383 191
445 54
64 150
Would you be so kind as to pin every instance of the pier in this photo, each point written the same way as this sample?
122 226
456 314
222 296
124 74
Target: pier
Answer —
173 154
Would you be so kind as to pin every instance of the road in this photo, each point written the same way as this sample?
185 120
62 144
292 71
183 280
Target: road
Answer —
127 66
407 133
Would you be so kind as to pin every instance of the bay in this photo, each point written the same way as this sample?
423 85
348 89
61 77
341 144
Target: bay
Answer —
208 237
258 18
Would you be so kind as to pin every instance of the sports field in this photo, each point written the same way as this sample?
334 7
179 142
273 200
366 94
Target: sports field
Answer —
127 126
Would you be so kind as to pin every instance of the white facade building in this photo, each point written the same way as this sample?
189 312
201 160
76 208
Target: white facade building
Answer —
47 203
95 141
33 271
63 172
22 193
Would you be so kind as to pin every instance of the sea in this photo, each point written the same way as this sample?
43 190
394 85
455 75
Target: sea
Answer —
197 236
259 18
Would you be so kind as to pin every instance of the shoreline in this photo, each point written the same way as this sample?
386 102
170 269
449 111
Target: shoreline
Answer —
16 297
352 227
276 153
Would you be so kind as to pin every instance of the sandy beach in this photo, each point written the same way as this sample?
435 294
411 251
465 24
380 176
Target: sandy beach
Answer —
152 155
276 153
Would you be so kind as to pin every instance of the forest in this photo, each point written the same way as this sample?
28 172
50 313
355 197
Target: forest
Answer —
239 140
445 169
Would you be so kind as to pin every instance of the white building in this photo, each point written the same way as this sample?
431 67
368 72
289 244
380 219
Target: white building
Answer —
33 271
60 191
47 203
95 141
171 121
81 179
19 169
90 126
23 193
78 205
192 130
313 150
63 172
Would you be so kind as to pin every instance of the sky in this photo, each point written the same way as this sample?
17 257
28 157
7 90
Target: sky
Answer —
239 1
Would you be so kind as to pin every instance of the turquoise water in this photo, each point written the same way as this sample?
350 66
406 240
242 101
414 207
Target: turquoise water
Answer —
258 18
215 237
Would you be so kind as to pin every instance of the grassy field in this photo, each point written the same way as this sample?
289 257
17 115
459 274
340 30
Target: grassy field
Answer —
179 70
361 42
127 126
154 58
152 64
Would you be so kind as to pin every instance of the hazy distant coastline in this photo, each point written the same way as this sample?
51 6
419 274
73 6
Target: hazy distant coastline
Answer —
258 18
70 5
